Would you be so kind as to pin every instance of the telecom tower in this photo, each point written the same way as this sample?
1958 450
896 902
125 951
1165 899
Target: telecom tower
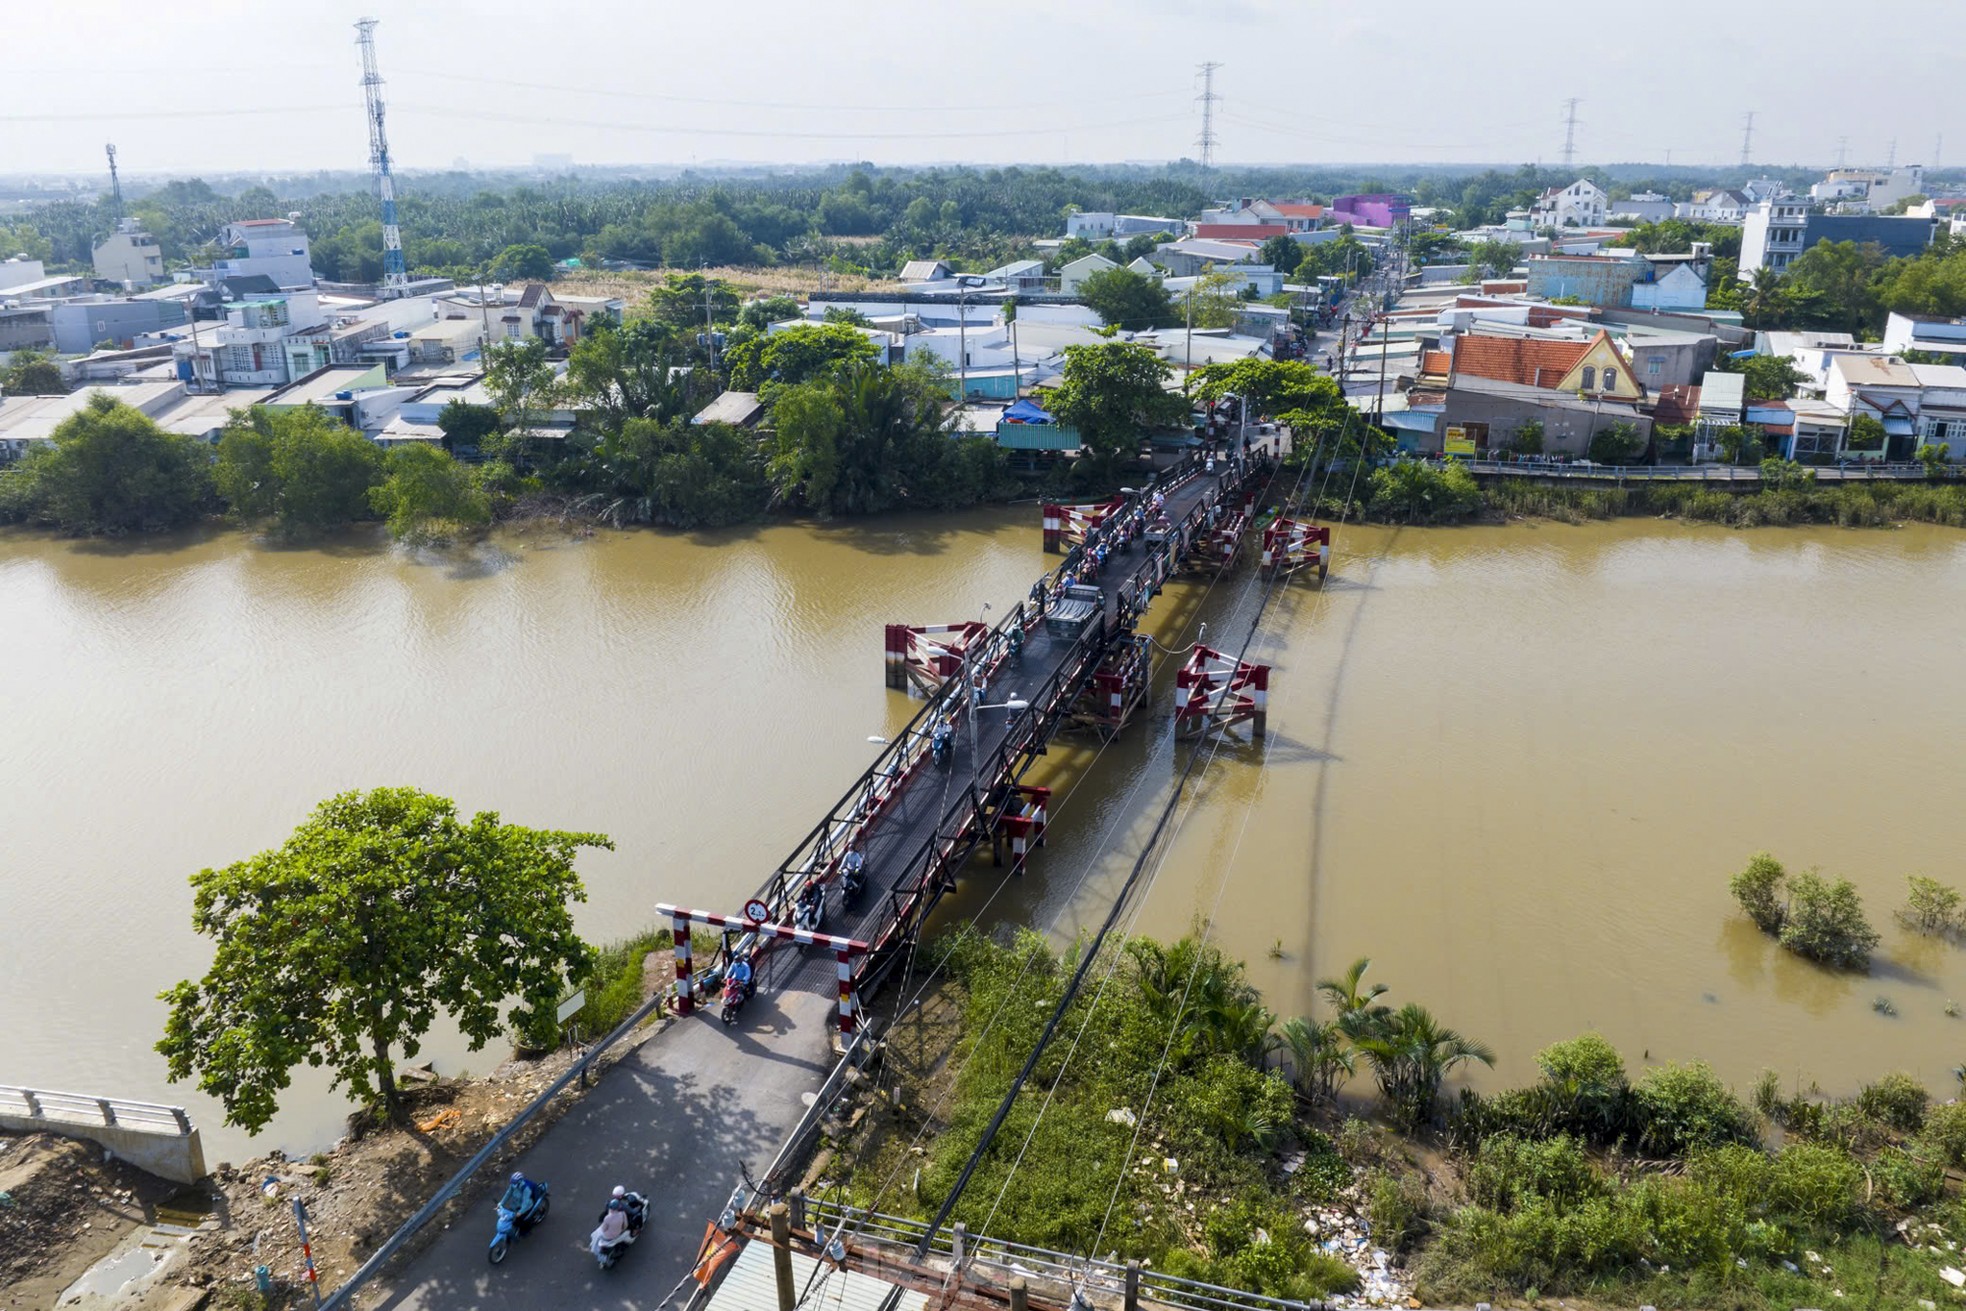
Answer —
395 277
1747 139
1207 98
115 183
1570 132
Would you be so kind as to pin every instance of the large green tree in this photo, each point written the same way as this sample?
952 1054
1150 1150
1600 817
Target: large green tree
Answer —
297 468
1128 300
862 439
1114 394
1270 387
523 263
428 497
634 370
110 469
1839 276
764 362
32 373
1771 377
522 385
341 947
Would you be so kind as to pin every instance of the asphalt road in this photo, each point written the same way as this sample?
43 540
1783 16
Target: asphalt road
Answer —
672 1121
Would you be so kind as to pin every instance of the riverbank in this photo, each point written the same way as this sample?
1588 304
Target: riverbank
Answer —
1179 1122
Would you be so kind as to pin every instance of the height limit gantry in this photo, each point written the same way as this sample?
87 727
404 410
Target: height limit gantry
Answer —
395 276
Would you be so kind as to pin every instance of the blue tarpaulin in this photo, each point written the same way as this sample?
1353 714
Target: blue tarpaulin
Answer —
1026 412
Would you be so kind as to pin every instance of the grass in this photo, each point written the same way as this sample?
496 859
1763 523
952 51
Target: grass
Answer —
1874 505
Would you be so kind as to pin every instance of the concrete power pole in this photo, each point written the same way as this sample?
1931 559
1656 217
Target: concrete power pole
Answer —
1570 132
1207 99
1891 157
1747 139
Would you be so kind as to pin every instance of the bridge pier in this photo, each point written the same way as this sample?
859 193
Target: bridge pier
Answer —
1214 692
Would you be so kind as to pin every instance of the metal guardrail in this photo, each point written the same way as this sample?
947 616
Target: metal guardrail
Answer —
79 1108
965 1249
1874 471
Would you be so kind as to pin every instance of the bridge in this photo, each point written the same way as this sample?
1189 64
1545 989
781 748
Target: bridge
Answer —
678 1115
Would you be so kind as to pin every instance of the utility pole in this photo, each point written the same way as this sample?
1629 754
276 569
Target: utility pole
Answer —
709 321
1842 151
1938 145
395 277
1570 132
1747 139
1207 98
962 345
115 183
1891 157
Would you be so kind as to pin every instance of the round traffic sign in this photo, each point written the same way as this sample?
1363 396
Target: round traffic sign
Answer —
756 911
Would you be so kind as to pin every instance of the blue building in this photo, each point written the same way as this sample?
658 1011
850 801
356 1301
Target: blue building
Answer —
81 326
1898 235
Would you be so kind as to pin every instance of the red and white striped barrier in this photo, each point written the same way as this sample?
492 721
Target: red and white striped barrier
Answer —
925 656
1065 526
1025 825
843 949
1290 545
1213 692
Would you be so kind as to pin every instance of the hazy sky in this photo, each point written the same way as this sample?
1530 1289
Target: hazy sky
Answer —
223 85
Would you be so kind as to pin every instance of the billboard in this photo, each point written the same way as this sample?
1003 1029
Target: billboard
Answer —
1459 441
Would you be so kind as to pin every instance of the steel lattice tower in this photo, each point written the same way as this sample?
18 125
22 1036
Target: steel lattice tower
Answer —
1207 99
395 276
115 182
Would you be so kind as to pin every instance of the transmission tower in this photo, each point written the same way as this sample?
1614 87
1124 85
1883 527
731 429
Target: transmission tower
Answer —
1938 144
1842 151
395 277
1570 132
1891 158
1207 99
1747 139
115 183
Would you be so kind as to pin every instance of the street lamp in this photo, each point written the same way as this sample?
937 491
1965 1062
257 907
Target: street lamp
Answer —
975 695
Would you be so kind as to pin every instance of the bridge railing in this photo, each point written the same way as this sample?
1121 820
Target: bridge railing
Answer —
79 1108
1864 471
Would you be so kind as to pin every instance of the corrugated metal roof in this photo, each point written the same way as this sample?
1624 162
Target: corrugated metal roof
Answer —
751 1285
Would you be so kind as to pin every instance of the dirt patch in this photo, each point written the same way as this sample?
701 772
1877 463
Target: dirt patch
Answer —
792 280
62 1208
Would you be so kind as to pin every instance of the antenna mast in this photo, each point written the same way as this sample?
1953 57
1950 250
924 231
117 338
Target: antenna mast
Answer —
1747 139
1207 98
1570 132
395 277
115 183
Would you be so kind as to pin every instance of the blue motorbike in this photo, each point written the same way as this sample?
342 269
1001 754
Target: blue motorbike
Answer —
513 1225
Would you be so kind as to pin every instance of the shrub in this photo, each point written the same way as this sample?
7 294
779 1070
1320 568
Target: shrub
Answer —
1759 890
1896 1100
1907 1178
1826 923
1509 1173
1586 1065
1945 1132
1932 907
1685 1107
1396 1208
1814 1185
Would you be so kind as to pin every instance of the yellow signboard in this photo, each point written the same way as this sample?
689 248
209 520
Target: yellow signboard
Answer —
1458 442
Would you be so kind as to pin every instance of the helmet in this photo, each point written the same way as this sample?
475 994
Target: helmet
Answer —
616 1204
619 1191
518 1177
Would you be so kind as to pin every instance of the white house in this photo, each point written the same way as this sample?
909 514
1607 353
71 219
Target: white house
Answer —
275 247
129 254
1019 275
1771 235
1582 204
1644 206
1925 332
1072 276
1716 206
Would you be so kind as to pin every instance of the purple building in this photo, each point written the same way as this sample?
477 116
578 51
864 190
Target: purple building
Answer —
1384 209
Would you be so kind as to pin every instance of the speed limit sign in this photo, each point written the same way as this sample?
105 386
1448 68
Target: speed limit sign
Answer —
756 911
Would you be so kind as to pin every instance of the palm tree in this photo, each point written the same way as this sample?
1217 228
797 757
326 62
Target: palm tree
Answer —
1411 1053
1357 1015
1319 1059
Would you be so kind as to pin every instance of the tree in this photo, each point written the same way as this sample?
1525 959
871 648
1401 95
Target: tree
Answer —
761 314
1771 377
1411 1053
1866 433
634 370
1738 445
1282 253
1212 302
1320 1061
1269 387
1527 439
684 300
1493 255
1113 394
1618 443
1760 889
32 373
1357 1005
467 427
298 468
429 498
521 382
111 469
1841 275
527 263
1932 908
1412 492
1826 923
342 946
1933 455
795 355
1128 300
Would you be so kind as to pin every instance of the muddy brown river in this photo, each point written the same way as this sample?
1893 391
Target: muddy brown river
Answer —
1515 766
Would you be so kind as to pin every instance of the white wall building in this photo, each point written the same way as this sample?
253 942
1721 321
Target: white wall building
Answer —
129 255
1582 204
275 247
1072 276
1771 235
19 271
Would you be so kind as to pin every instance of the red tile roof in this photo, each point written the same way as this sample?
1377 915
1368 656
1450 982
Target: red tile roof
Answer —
1677 403
1518 360
1298 211
1239 231
1436 362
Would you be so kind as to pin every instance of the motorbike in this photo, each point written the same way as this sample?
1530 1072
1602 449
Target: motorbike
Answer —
939 747
736 993
608 1250
853 877
514 1225
811 908
1017 641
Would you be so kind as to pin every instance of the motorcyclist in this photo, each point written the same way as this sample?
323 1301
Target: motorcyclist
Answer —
810 898
519 1194
938 742
740 973
853 868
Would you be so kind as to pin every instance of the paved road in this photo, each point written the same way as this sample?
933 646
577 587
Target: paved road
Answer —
698 1093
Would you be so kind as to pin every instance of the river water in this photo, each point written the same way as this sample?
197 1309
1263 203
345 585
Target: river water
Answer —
1515 766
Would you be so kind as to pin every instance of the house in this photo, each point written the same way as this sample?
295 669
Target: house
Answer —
25 420
1195 255
1020 276
1582 204
128 255
82 325
1775 233
1379 209
1866 190
276 247
1145 267
1604 280
1674 282
1915 402
1925 332
1718 205
1072 276
926 270
1238 231
357 395
1642 207
1494 384
739 409
1094 226
20 271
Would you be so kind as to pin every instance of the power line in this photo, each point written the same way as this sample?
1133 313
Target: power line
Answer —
669 129
1570 132
1747 139
1207 99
